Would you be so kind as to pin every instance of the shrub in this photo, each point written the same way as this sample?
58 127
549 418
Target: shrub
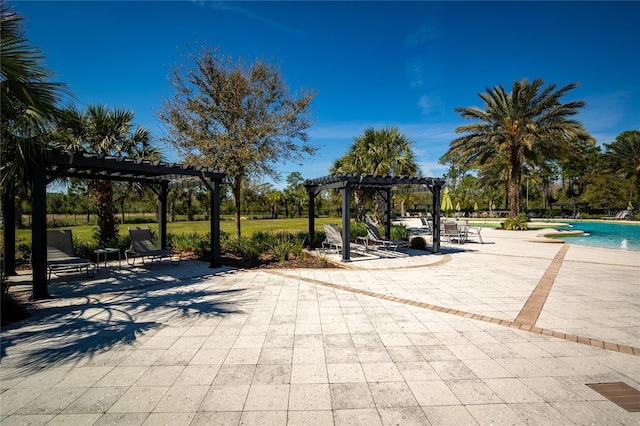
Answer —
324 260
285 244
194 242
24 249
358 229
319 237
418 243
518 223
281 245
399 232
84 248
262 238
141 219
298 246
244 247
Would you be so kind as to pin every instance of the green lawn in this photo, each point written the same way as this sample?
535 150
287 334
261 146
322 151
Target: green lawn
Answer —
249 226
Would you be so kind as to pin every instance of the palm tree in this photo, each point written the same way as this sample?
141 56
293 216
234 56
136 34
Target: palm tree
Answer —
28 103
529 124
378 152
109 132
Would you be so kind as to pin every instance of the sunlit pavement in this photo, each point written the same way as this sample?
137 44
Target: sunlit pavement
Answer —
506 332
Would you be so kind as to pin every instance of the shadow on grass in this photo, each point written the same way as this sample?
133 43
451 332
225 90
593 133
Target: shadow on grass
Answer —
76 325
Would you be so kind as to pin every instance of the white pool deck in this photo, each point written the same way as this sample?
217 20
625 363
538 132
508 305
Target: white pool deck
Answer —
507 332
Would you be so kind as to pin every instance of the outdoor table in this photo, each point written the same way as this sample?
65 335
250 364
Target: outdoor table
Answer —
106 251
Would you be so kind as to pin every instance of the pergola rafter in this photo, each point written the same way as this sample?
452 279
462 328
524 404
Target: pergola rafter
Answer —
388 185
161 176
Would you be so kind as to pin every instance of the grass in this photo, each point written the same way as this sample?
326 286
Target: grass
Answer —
249 227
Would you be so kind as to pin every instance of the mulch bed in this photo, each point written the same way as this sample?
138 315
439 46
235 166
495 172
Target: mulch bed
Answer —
269 261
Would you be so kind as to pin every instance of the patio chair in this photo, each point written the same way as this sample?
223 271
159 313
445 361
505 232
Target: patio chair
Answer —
373 236
142 247
475 231
451 232
333 237
61 256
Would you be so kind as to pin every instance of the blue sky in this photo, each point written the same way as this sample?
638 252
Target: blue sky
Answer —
373 64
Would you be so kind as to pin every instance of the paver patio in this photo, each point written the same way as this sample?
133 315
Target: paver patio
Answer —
412 338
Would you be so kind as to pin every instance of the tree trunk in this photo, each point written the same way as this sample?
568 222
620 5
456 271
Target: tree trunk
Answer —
359 198
190 206
513 178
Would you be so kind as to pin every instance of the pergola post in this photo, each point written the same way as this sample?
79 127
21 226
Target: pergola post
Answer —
346 222
436 218
387 213
162 215
39 231
312 219
9 216
216 260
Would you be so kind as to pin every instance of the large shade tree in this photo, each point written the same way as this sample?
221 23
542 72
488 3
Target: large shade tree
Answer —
528 125
100 130
384 151
236 117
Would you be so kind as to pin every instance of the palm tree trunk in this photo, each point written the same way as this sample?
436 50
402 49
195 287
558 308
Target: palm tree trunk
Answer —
513 177
107 227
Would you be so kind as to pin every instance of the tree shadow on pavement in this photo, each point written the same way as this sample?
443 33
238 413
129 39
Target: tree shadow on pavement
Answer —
82 326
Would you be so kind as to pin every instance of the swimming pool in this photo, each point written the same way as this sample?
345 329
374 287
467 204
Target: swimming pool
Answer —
610 235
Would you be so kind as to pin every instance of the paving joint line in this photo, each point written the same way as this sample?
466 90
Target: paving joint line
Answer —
533 307
629 350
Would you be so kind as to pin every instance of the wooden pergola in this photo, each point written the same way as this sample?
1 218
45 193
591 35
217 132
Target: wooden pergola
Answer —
160 176
386 185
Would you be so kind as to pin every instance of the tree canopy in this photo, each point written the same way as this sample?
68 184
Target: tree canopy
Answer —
237 117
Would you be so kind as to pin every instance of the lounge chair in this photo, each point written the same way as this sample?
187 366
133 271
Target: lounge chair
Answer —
370 219
61 256
618 216
373 236
424 228
626 215
142 247
475 231
333 237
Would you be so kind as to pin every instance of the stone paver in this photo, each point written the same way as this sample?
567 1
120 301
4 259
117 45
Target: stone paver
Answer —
410 338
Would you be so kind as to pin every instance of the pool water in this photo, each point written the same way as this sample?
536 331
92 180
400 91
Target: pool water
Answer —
608 235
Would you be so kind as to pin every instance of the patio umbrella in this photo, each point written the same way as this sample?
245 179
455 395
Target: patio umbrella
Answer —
630 206
458 206
446 204
475 206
